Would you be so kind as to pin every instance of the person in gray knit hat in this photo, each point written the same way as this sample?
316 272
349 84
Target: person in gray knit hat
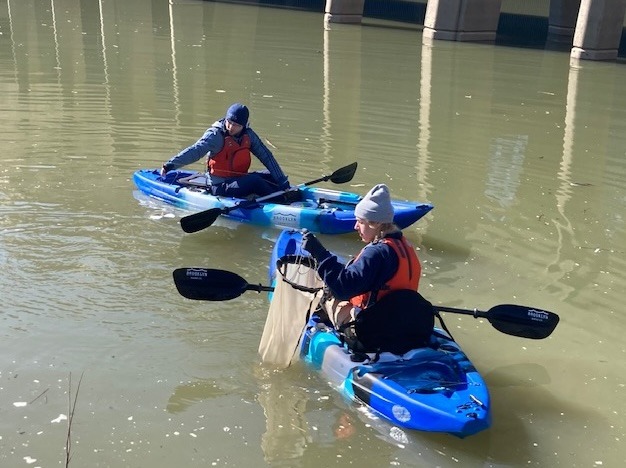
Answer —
227 145
388 262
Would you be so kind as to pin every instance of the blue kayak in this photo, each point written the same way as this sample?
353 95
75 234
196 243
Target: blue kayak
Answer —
434 388
316 209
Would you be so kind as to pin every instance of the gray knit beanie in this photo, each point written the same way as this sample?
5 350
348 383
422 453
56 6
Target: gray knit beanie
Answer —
376 205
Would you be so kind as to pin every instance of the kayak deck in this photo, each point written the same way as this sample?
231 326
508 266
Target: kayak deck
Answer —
434 389
316 209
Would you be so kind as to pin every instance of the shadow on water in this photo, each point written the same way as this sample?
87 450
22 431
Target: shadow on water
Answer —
187 394
518 375
440 247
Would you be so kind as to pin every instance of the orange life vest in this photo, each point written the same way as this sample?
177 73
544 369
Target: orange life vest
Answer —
233 160
407 275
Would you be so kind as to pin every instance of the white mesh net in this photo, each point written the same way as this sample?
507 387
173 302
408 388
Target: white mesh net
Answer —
288 314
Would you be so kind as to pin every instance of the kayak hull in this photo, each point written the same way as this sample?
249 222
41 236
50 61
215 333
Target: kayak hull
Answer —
318 209
432 389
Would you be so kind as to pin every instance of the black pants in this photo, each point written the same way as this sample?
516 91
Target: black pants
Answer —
255 183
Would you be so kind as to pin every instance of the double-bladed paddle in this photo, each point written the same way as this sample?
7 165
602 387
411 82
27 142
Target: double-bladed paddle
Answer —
203 219
516 320
204 284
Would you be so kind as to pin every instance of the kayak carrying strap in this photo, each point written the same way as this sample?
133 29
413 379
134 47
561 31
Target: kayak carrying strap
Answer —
443 325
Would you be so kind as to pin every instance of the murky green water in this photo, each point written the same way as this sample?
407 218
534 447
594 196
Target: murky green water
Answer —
521 153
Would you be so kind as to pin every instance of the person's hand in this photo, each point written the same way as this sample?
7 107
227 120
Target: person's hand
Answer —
165 169
311 244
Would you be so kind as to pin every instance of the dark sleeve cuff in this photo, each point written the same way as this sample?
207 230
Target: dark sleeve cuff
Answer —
168 167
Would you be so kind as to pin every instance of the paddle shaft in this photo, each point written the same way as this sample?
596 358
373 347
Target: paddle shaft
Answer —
259 288
282 192
203 219
252 203
474 313
347 169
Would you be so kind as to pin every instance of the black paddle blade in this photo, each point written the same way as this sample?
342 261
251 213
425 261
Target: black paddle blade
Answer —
199 221
344 174
205 284
522 321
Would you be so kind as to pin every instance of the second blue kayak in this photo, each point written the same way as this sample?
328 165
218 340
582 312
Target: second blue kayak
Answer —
316 209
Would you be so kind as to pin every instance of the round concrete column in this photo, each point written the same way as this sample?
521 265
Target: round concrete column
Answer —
462 20
344 11
598 29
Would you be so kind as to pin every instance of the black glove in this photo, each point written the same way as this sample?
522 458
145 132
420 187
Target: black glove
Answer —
311 244
166 168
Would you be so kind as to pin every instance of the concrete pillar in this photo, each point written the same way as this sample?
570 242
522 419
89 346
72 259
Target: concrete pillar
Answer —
344 11
562 19
462 20
598 29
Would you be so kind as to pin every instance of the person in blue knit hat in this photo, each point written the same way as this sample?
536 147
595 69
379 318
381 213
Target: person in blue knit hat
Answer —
228 145
388 262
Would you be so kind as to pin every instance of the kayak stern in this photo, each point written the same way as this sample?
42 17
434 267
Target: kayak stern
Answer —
433 389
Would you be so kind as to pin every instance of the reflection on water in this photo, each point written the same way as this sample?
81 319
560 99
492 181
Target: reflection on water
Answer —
284 406
521 154
504 169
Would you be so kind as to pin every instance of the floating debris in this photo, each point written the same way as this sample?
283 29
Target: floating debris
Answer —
60 418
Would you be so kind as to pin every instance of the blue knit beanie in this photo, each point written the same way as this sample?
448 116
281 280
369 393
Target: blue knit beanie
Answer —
238 113
376 205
